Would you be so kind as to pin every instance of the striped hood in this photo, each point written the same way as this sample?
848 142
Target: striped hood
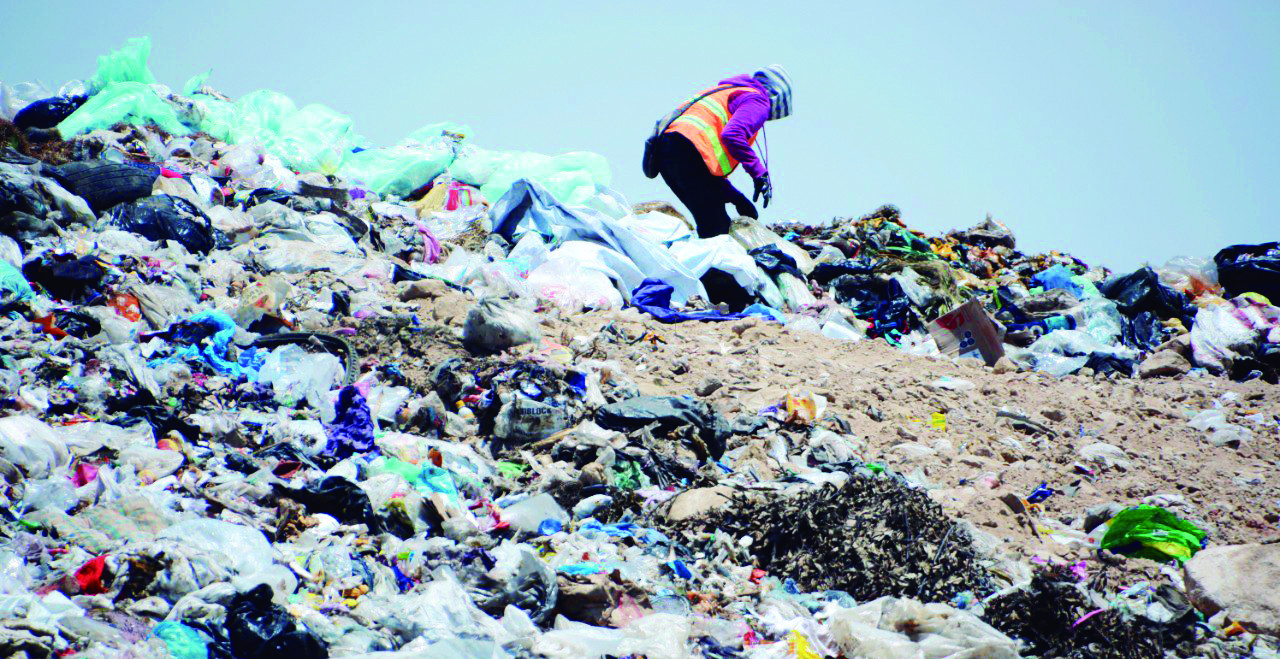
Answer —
778 83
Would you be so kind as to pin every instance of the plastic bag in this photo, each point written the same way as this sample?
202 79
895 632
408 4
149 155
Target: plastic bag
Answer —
259 629
894 628
571 178
518 578
294 375
32 446
1154 533
529 514
49 112
129 64
1191 276
1141 290
1250 269
123 102
567 282
241 549
346 502
182 641
13 286
1221 433
163 217
669 413
1219 337
494 324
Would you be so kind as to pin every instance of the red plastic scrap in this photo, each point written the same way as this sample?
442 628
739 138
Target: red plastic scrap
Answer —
89 576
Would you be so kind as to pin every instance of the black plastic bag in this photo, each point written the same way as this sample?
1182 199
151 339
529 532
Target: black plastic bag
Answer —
1104 364
48 112
142 407
880 301
166 217
1141 291
1143 332
823 273
77 324
78 280
259 629
1250 269
669 412
346 502
774 261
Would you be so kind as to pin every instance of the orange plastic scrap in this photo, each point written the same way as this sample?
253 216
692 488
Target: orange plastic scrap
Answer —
944 248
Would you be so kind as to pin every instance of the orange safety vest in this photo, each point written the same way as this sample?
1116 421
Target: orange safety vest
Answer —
702 124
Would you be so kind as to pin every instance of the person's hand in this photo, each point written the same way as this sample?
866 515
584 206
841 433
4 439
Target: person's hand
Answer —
745 208
763 187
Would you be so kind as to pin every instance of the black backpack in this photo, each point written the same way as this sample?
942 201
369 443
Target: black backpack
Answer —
650 164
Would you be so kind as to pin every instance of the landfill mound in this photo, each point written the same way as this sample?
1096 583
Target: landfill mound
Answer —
870 537
271 390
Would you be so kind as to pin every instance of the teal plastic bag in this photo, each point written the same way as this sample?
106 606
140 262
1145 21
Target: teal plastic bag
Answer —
315 138
183 641
132 103
413 163
13 286
475 166
129 64
195 82
572 178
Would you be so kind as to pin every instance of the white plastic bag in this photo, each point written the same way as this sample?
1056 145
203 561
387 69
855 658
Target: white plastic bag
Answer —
568 283
1219 336
937 631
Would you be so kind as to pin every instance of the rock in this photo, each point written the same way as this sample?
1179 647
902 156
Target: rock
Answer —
708 386
1005 365
1165 363
1180 344
698 501
1095 515
425 289
1052 414
593 473
743 325
1242 580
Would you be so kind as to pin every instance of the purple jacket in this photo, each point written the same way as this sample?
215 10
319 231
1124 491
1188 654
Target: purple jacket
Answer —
747 114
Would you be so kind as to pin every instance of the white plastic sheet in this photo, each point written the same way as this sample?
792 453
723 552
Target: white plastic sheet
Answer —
527 206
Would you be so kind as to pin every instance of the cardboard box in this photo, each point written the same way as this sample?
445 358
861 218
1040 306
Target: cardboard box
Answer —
967 331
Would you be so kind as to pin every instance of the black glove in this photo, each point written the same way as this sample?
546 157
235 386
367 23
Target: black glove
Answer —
745 208
763 187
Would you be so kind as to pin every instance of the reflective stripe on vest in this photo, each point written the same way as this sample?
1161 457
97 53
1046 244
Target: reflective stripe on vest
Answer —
702 124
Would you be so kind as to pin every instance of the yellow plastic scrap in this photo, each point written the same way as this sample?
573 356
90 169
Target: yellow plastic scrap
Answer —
939 421
798 646
801 408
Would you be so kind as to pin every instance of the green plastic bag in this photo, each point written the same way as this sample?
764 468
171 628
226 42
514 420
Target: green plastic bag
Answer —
129 64
123 102
1154 533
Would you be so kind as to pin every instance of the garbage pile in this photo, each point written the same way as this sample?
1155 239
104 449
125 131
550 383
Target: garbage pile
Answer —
273 391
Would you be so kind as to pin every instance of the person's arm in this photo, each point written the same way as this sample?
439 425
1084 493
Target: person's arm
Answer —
739 200
748 118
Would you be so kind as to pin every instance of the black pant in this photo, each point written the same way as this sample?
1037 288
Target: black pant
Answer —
703 193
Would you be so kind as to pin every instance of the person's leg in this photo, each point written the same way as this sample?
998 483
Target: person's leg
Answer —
702 192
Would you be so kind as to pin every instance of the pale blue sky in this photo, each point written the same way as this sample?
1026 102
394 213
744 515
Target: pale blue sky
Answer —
1122 132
